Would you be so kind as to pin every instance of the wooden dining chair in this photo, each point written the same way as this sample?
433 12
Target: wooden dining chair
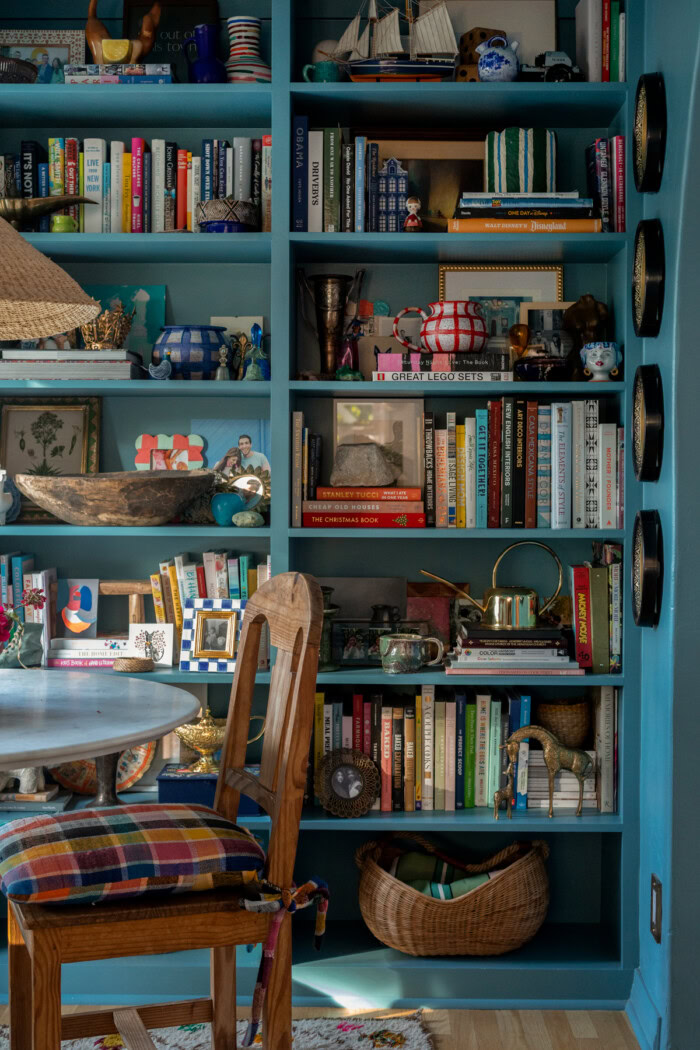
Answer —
42 937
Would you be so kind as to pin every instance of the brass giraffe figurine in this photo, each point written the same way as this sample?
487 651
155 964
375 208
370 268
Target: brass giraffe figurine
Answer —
556 757
505 794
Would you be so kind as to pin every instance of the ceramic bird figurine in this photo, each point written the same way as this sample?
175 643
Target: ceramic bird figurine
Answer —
26 211
105 50
163 370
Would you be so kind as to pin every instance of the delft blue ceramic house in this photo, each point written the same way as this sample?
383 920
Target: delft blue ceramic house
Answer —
393 190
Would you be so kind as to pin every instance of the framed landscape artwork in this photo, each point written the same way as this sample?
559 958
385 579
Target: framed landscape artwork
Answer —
47 49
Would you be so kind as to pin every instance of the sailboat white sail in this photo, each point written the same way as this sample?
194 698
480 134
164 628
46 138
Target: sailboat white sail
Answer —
432 33
349 40
362 48
387 35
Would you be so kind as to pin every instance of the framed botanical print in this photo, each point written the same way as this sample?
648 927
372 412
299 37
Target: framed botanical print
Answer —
58 435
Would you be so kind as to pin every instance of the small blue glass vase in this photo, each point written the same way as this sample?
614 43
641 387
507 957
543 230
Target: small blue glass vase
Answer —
193 349
224 505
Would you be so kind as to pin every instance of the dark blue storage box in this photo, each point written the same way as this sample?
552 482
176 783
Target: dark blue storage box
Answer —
177 784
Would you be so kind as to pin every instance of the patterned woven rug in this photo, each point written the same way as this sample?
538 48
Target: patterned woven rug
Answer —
322 1033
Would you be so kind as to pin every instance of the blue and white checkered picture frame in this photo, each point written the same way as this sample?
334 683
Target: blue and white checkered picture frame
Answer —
192 606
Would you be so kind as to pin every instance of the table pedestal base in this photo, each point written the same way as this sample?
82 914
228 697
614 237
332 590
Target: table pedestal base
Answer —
107 781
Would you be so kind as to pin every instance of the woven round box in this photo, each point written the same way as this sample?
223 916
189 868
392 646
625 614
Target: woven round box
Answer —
570 721
520 160
497 917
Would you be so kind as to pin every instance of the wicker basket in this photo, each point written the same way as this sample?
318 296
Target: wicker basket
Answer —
497 917
570 721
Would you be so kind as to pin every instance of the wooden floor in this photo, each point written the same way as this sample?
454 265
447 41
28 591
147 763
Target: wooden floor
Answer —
500 1029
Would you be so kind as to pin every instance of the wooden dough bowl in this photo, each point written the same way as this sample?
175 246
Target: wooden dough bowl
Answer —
152 497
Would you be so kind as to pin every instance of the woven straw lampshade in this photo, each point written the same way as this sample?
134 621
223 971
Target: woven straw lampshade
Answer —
37 297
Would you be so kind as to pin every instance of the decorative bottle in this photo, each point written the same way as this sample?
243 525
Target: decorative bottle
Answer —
244 62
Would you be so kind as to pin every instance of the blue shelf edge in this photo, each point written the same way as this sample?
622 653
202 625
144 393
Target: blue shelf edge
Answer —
178 247
456 534
134 388
477 389
159 532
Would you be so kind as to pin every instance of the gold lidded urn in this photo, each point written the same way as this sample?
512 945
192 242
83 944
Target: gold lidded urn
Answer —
205 736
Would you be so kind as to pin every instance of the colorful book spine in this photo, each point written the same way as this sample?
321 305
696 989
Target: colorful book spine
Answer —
72 173
167 592
470 472
482 431
170 192
451 470
137 151
106 198
615 40
181 191
493 484
95 152
366 727
578 465
441 479
256 180
361 520
469 754
429 463
327 728
591 462
428 718
81 179
600 619
386 761
126 193
157 185
606 41
375 752
617 179
511 226
196 191
531 465
189 210
461 480
605 746
347 732
337 732
602 161
450 755
615 585
177 603
518 470
360 151
622 63
347 204
561 465
439 746
523 754
409 759
581 601
21 565
243 169
373 187
234 579
607 476
300 184
207 169
331 180
483 714
358 722
43 181
620 477
507 464
460 747
314 216
116 159
544 466
494 750
419 751
57 167
319 704
266 202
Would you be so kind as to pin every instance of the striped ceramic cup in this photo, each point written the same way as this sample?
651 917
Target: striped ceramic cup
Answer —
244 62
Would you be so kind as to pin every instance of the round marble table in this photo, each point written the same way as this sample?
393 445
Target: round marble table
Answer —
49 717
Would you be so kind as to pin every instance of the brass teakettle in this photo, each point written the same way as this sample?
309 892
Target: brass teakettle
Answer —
509 608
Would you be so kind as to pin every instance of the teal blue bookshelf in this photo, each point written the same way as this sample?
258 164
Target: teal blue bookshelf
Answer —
587 951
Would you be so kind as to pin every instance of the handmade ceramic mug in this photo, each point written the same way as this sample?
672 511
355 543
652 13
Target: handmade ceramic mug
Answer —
404 653
322 72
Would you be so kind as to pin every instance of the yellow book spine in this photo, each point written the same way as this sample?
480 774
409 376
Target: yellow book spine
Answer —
318 736
461 449
252 582
419 750
157 593
177 604
81 184
126 194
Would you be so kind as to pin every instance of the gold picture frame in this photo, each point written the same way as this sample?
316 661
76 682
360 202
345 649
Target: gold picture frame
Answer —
204 632
49 448
541 289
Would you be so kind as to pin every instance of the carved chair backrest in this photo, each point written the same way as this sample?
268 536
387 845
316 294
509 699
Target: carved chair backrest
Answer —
292 606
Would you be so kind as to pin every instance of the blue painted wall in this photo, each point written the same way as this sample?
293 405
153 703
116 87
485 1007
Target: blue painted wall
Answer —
664 998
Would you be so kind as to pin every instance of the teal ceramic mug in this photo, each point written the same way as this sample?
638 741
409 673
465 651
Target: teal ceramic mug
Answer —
405 653
321 72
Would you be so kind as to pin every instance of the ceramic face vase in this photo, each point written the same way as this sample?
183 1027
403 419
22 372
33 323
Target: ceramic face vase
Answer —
601 361
244 62
498 60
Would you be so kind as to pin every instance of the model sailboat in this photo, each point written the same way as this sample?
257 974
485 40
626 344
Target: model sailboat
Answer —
377 52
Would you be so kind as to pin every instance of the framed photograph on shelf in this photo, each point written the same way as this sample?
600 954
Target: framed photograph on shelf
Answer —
347 782
210 633
169 452
235 446
60 435
47 49
546 324
395 426
529 283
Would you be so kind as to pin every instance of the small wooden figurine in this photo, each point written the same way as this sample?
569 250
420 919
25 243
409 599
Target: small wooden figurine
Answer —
105 50
556 758
412 224
505 794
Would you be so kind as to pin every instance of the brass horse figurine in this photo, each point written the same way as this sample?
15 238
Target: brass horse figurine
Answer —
556 757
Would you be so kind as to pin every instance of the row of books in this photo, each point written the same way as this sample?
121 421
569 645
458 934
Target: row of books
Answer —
306 465
141 188
605 178
596 601
119 73
66 364
535 651
444 752
601 27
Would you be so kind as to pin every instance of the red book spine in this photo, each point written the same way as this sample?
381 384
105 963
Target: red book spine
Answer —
366 728
618 174
353 494
181 198
494 465
386 766
531 466
137 148
72 177
59 661
363 521
352 507
582 616
606 41
201 582
357 721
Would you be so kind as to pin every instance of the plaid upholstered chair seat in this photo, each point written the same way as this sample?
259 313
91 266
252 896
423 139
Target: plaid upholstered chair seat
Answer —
126 851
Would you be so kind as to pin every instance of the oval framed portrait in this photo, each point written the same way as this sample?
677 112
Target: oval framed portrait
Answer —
347 782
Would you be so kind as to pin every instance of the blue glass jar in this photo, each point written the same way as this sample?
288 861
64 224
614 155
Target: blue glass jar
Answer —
193 348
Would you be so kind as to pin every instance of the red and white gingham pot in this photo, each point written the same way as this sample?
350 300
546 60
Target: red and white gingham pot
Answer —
452 327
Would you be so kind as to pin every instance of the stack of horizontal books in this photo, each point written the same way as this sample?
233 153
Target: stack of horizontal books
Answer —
486 651
566 789
66 364
524 213
408 366
119 73
364 508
